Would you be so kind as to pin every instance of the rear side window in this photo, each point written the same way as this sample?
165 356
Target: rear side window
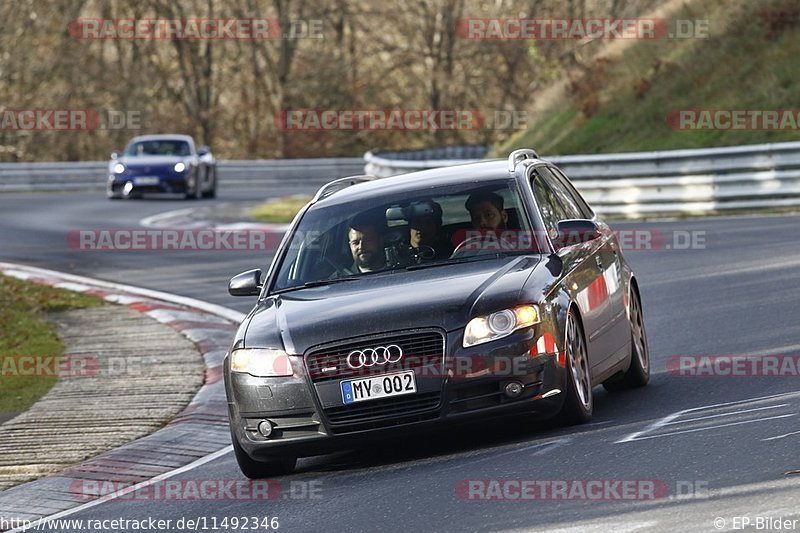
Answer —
561 195
572 192
550 207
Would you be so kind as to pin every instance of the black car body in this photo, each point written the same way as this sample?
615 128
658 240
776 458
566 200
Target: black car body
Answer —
164 163
524 319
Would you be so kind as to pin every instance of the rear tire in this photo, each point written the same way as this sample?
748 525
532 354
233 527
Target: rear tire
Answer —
638 374
261 469
578 404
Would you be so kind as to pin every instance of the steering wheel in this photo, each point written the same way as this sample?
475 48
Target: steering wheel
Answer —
424 252
338 269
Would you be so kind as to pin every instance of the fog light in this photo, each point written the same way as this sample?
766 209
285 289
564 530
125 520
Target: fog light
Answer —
514 389
127 188
265 428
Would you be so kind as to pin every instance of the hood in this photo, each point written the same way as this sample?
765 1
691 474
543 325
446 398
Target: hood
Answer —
445 297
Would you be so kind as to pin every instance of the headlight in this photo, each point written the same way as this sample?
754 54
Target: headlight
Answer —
500 324
179 167
261 363
119 168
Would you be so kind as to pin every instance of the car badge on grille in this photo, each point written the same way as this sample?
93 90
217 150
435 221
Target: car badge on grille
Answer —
380 355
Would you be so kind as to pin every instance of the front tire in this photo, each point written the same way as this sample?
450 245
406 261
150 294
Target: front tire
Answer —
253 469
212 192
194 193
578 404
638 373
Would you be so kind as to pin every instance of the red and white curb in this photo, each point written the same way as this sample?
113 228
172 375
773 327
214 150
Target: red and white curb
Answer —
196 436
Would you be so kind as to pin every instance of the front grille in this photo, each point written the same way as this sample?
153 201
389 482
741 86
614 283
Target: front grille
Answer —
420 349
384 413
423 352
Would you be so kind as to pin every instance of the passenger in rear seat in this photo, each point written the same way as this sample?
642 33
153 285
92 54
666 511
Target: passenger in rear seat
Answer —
486 210
425 233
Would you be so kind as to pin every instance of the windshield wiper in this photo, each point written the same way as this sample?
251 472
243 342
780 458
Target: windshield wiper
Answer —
449 262
471 259
316 283
323 282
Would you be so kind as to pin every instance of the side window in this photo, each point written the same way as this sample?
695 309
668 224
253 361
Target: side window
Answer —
585 210
549 206
561 194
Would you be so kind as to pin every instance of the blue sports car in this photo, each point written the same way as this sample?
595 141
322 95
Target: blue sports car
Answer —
167 163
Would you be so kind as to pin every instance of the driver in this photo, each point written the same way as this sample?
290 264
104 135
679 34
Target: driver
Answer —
365 237
425 231
488 218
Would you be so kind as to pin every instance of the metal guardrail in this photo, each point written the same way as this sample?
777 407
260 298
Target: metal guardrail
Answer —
310 173
635 184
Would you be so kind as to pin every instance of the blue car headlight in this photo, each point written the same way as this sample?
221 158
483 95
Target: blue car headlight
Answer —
119 168
179 167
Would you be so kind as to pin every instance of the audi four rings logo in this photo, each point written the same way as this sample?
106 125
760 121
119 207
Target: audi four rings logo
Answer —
374 356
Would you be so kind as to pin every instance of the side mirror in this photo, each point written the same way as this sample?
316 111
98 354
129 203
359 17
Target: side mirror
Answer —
576 231
246 284
203 150
114 154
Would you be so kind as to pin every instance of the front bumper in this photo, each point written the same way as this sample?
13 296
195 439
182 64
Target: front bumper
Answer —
168 184
470 386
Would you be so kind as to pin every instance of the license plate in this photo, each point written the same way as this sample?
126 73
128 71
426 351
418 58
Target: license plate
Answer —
359 390
146 180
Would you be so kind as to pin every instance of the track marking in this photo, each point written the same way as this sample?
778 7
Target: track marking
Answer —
667 420
782 436
728 414
693 430
655 425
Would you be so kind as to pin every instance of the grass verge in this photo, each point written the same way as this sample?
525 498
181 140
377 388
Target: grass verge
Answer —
27 332
279 209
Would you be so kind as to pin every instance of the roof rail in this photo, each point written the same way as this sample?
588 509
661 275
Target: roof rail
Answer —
339 184
518 155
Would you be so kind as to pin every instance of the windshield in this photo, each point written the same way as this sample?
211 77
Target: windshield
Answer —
158 147
417 229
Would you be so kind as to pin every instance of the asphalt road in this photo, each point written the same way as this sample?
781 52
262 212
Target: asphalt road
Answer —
727 444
